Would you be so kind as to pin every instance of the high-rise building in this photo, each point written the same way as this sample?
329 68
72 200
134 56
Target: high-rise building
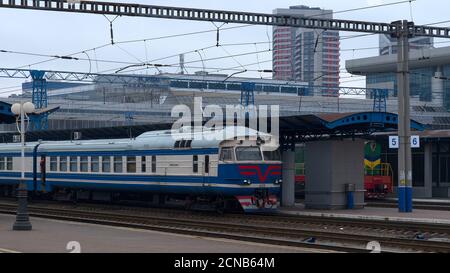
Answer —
307 55
389 45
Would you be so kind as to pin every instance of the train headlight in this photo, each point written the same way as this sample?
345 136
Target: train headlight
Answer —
385 187
278 181
247 182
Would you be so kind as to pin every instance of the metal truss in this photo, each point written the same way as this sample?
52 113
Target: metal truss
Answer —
129 80
75 76
126 9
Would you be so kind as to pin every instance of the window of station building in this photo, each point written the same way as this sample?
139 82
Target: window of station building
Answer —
153 163
84 164
195 164
63 164
131 164
118 164
73 164
9 163
53 164
226 154
2 163
106 164
143 164
95 164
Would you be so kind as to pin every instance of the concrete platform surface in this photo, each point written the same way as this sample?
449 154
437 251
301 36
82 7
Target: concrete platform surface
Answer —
371 213
51 236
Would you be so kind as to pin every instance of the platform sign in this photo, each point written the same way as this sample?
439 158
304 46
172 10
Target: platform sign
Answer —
394 142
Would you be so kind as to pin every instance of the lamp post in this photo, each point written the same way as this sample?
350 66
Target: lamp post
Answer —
22 219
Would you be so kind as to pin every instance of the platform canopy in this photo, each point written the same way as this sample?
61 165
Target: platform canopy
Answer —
7 117
293 129
296 129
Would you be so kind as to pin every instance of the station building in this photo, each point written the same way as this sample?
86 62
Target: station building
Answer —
150 99
429 74
430 86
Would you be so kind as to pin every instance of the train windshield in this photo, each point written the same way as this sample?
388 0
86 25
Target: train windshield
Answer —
248 154
272 155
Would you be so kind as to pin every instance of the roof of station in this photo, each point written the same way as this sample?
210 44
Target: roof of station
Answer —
377 121
388 63
426 134
292 128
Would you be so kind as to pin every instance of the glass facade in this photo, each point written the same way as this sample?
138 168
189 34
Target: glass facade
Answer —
420 83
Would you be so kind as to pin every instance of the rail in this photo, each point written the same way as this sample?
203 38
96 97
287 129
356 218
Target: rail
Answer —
343 235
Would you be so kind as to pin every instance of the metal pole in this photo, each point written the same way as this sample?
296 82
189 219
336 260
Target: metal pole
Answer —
404 122
22 218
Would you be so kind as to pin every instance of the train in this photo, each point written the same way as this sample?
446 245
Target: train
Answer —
378 176
207 169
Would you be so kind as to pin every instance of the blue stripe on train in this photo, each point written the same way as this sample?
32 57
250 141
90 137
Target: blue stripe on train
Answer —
99 181
174 189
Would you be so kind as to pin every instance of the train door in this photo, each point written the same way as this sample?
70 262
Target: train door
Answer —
43 171
206 170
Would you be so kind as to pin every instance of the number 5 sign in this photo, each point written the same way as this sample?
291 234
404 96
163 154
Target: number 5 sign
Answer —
394 142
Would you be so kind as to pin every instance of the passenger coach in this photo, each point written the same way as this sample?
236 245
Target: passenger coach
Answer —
219 169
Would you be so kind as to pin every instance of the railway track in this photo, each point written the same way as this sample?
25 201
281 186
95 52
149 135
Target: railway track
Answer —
330 234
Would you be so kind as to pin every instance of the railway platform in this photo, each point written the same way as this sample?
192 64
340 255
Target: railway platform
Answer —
374 213
52 236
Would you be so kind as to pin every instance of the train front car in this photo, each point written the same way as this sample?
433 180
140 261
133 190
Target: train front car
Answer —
252 161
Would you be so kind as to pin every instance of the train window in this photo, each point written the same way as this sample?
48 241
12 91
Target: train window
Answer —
73 164
189 143
131 164
183 144
143 164
206 163
95 164
226 154
272 155
118 164
195 164
53 164
63 164
9 163
106 164
2 163
248 154
177 143
153 163
84 164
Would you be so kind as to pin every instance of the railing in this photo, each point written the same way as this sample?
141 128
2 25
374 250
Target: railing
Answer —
384 170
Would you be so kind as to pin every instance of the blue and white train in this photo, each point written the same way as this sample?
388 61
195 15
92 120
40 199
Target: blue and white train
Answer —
226 168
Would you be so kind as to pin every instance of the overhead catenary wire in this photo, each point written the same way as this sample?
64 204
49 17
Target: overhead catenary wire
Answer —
235 27
354 9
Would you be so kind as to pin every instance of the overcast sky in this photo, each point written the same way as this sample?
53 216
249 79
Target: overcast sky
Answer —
58 33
